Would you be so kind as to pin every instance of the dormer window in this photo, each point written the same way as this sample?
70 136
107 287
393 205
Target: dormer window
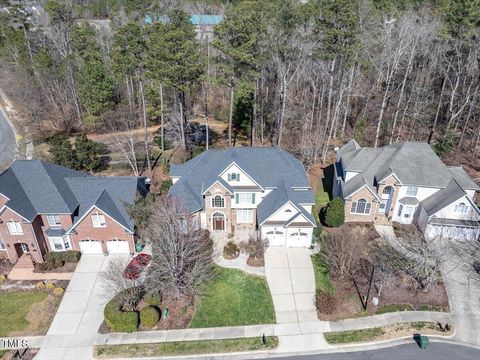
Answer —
98 221
54 220
461 208
218 202
234 177
412 191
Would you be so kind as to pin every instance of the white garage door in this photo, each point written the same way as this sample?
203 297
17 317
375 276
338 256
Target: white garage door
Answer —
275 236
299 238
118 246
91 247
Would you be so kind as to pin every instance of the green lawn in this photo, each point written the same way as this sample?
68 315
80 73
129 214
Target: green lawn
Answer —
185 347
14 307
322 277
234 298
345 337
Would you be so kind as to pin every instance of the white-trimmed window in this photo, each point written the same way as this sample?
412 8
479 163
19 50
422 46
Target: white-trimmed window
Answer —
360 207
218 201
400 209
245 198
2 244
461 208
59 243
98 221
15 227
54 220
234 177
244 216
412 190
408 212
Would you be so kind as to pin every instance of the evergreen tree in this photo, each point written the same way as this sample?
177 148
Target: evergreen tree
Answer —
62 152
335 212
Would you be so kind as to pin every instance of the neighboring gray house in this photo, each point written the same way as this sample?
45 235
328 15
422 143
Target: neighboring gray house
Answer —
407 183
236 191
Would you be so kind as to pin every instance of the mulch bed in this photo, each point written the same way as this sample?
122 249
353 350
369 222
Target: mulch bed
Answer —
402 290
180 315
22 285
257 262
66 268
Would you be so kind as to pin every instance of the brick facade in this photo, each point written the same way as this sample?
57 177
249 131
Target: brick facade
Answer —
389 181
215 190
85 231
366 194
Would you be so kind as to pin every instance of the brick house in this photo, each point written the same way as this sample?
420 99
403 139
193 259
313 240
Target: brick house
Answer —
45 207
240 190
406 183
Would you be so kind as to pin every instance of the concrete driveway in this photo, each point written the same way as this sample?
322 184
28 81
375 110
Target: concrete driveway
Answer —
463 289
74 329
291 280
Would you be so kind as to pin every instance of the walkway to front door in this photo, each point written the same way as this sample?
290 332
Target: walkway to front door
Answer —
292 284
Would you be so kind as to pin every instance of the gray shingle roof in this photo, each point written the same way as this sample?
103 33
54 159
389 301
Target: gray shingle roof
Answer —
442 198
463 179
413 163
39 187
270 167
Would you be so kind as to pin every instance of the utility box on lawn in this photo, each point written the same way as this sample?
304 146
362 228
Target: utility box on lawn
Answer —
424 341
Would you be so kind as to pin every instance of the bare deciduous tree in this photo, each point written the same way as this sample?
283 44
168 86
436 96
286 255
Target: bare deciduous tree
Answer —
116 284
182 253
255 246
343 253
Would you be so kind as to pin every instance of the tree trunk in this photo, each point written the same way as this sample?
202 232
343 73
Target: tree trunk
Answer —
347 106
230 118
254 116
182 123
281 113
380 116
145 127
162 120
439 106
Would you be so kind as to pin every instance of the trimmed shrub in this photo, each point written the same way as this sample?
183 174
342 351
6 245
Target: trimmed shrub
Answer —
231 250
118 320
324 302
70 256
51 263
40 285
152 299
58 291
149 317
3 277
50 285
335 213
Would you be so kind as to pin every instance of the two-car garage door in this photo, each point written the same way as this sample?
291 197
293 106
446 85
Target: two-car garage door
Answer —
291 237
113 246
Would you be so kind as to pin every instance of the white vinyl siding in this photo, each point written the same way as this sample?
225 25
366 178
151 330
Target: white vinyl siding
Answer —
98 221
54 220
244 216
14 228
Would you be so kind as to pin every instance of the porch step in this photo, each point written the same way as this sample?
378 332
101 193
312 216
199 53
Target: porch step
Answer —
24 262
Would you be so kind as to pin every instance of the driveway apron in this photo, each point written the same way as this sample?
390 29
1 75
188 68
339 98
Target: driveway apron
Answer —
74 329
291 280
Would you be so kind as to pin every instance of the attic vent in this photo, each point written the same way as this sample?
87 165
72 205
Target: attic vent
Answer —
288 211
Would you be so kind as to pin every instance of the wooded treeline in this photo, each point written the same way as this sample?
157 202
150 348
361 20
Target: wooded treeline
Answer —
303 76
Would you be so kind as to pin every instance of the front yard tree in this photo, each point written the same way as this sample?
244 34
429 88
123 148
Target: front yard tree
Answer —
128 291
255 246
343 252
414 255
182 253
335 212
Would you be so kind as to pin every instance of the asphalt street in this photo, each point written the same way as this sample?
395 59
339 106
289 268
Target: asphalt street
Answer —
435 351
7 143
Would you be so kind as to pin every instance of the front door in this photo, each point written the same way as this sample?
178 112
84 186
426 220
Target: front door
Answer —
218 220
21 248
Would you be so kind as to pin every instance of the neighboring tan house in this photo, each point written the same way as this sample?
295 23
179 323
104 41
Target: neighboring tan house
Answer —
407 183
45 207
237 191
